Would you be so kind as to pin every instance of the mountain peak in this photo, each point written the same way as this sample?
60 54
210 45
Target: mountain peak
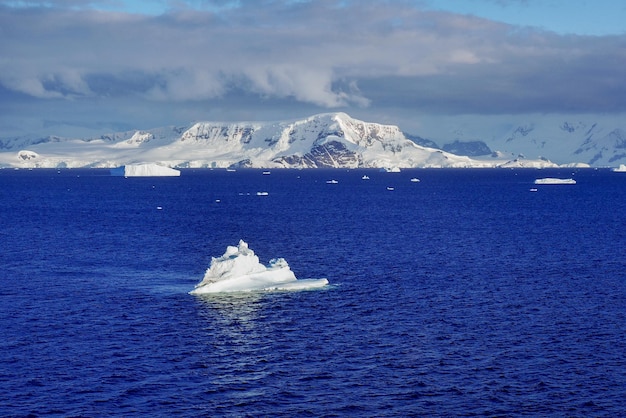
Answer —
322 140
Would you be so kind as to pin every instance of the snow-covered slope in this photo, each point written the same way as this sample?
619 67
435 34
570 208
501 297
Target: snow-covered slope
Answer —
590 142
325 140
598 140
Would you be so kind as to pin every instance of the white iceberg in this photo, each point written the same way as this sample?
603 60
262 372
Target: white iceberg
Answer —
551 180
239 270
620 169
144 170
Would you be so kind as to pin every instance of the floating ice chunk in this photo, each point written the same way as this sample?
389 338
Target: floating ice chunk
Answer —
239 270
552 180
144 170
620 169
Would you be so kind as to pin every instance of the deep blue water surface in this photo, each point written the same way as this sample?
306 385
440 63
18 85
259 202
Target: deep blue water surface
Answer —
465 294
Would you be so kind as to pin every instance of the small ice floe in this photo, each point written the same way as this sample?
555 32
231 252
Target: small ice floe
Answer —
266 173
415 180
239 270
533 189
365 177
332 182
553 180
262 193
620 169
391 189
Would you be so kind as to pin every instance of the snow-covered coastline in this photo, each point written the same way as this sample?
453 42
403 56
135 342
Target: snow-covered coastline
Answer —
332 140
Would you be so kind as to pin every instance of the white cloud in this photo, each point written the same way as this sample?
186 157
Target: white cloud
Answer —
186 84
321 54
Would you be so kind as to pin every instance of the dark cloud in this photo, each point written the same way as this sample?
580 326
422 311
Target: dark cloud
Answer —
310 55
562 81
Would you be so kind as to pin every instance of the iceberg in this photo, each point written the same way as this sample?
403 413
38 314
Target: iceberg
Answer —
239 270
551 180
620 169
144 170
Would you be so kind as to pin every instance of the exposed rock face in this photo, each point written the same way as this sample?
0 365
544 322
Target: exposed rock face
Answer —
331 140
469 148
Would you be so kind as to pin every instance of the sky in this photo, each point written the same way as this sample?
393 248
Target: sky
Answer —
71 67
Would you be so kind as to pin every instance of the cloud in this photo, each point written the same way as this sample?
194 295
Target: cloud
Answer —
327 54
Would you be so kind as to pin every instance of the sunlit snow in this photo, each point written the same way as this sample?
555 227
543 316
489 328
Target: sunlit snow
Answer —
239 270
330 140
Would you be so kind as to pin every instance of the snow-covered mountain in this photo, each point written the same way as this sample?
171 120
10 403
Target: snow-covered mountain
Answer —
590 142
325 140
598 140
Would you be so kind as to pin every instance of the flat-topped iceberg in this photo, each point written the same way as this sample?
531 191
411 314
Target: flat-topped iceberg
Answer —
620 169
144 170
239 270
551 180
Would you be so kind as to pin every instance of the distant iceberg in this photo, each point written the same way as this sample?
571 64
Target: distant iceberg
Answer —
144 170
620 169
239 270
551 180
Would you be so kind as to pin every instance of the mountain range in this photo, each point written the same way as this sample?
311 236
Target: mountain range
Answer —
324 140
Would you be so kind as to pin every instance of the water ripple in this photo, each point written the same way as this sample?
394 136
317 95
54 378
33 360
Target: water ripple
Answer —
464 296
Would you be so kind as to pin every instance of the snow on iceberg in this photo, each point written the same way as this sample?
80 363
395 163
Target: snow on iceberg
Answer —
144 170
239 270
551 180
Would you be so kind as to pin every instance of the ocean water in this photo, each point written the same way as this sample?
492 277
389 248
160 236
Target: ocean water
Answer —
464 294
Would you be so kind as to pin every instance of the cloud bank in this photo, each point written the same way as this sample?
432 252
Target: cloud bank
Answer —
324 54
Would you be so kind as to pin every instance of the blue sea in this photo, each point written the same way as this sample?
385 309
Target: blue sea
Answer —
463 294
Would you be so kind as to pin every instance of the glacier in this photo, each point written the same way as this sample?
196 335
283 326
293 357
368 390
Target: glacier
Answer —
239 270
329 140
597 140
